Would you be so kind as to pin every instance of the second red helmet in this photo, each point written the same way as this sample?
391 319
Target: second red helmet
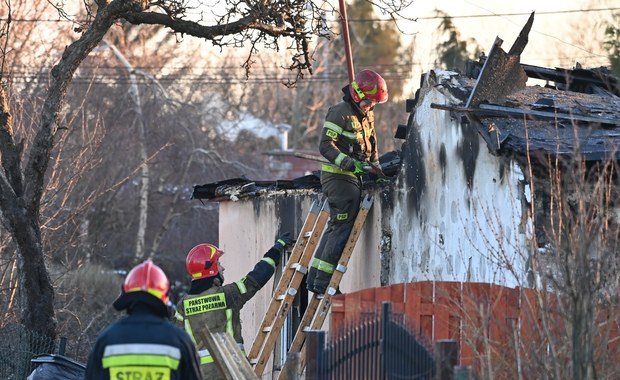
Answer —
201 261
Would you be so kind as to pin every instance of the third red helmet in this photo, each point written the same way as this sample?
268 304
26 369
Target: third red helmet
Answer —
201 261
147 277
369 85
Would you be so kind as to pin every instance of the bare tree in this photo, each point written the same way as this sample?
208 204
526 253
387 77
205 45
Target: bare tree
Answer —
23 174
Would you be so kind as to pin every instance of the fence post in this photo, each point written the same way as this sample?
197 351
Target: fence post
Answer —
446 358
292 368
62 346
315 343
462 373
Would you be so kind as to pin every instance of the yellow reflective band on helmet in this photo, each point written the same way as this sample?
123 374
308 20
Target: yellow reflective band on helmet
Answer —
229 322
203 304
269 261
142 373
357 90
241 286
373 91
141 354
153 292
343 216
323 266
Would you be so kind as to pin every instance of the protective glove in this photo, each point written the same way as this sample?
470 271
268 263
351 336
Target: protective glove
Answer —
283 241
360 168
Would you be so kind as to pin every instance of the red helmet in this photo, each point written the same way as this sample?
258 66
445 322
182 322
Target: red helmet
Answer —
369 85
147 277
202 260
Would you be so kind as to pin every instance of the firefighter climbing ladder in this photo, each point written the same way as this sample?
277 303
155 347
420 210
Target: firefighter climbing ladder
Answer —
297 267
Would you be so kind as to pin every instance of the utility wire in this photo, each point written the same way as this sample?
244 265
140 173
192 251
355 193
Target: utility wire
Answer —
402 19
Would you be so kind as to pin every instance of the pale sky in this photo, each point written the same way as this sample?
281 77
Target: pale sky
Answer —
558 37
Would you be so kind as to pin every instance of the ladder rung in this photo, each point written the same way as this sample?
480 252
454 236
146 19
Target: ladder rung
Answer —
308 234
302 269
253 361
267 329
280 297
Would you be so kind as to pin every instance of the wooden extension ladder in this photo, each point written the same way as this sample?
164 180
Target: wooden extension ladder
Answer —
284 295
297 267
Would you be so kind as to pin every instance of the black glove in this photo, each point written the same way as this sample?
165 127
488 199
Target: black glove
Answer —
284 240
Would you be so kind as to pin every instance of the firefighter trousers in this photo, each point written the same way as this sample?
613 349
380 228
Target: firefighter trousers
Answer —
343 196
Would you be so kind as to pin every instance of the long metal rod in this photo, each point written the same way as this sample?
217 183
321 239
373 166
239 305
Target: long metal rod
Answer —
347 40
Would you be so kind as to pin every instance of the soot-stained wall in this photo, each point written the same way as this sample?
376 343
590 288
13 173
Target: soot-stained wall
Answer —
456 212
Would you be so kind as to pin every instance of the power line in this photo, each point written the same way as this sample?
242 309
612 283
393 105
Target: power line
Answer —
508 14
390 20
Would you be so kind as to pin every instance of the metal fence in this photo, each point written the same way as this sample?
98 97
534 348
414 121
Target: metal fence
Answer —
384 347
17 347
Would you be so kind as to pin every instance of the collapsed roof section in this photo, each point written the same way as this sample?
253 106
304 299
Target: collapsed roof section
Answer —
576 112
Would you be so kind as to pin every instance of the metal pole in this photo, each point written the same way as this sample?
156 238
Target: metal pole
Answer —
347 40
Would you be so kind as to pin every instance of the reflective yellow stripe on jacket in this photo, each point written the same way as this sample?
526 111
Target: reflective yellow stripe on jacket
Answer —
329 168
141 354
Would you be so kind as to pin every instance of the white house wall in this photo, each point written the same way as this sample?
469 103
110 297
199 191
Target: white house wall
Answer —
456 213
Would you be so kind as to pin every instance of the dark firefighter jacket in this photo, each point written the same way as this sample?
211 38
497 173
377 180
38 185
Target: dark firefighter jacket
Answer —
348 133
143 345
218 307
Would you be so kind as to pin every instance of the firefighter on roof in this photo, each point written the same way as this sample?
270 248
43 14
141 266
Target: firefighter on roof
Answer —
145 344
217 306
349 142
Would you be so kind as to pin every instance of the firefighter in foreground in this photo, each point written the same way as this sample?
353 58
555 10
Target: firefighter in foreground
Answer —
349 142
145 344
217 306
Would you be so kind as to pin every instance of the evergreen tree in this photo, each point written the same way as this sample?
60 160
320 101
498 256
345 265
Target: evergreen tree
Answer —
452 52
612 44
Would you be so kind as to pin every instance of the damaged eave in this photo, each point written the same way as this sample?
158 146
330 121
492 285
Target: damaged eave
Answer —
558 120
240 188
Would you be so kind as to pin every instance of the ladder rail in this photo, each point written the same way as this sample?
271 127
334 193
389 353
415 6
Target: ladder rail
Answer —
289 291
319 306
284 280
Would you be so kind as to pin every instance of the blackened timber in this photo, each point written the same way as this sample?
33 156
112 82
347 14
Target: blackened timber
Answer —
502 111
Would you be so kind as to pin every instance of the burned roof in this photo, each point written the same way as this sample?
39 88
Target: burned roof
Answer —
574 111
242 188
